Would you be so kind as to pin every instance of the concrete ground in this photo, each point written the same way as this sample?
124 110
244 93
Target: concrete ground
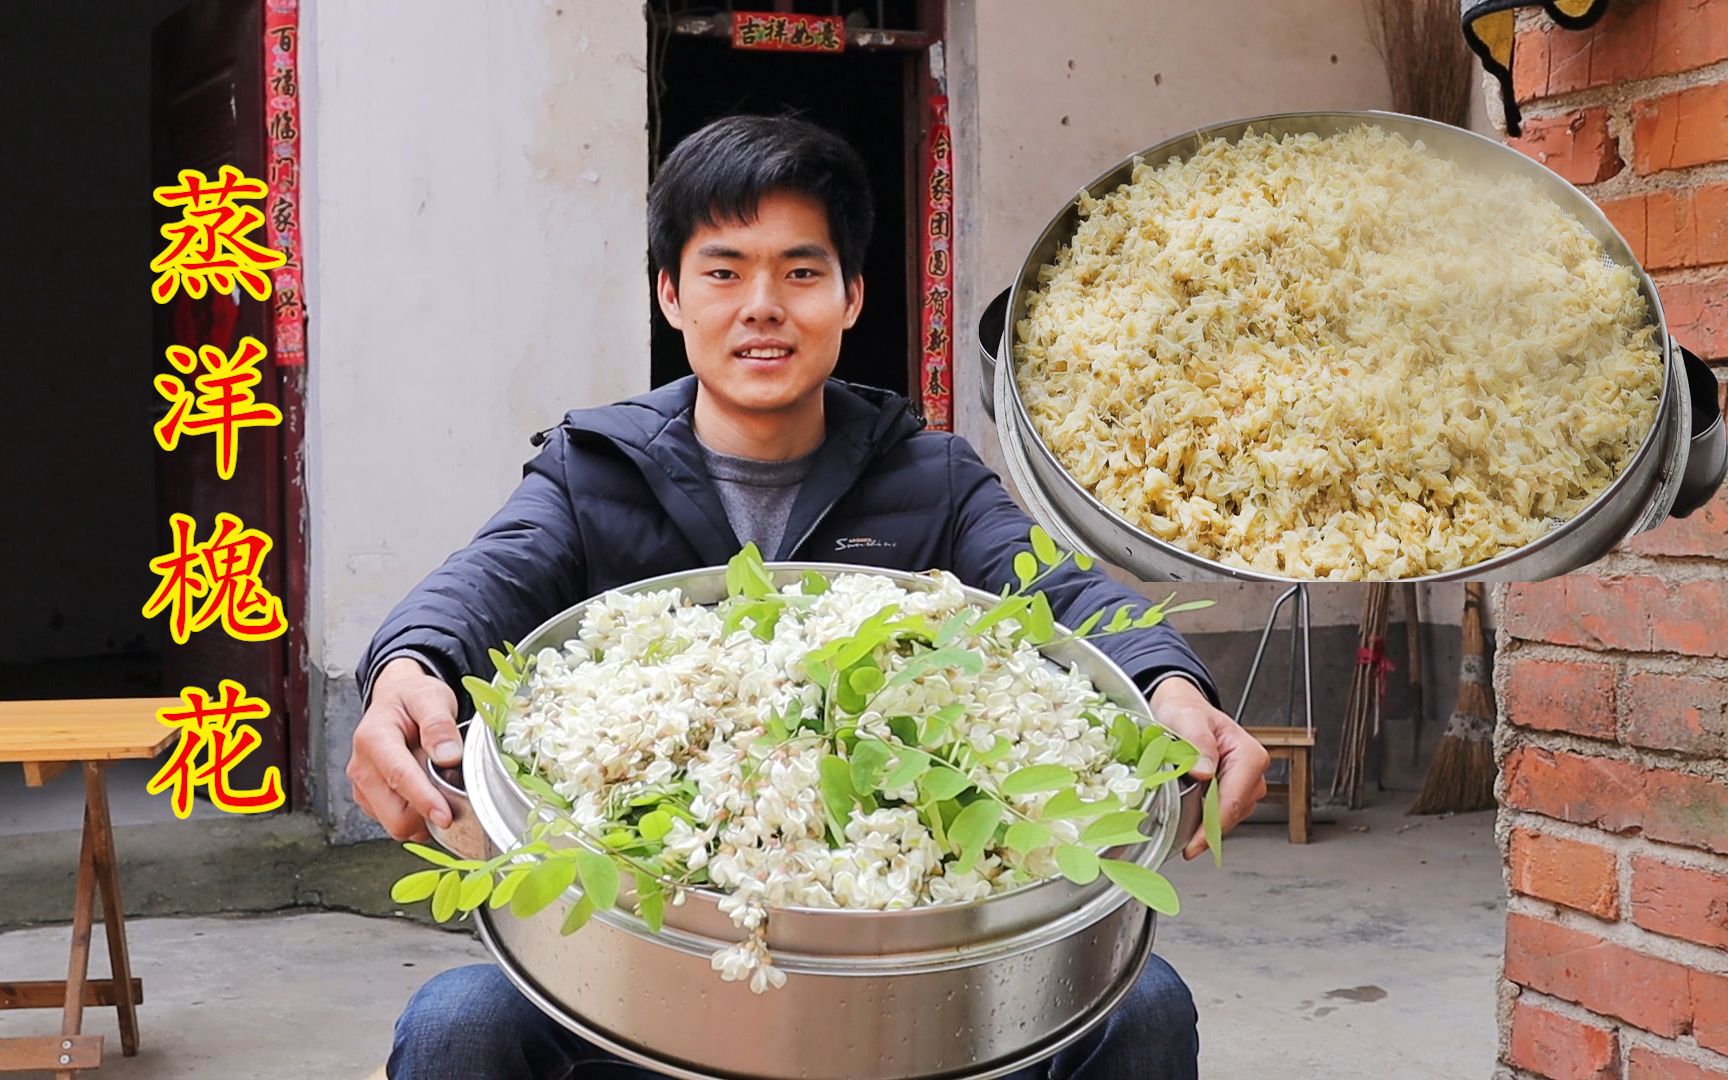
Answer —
1370 953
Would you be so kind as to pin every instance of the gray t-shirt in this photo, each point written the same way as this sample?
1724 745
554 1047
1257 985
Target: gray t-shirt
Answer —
757 495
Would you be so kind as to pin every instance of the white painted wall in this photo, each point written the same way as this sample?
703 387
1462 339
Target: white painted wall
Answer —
475 176
1046 96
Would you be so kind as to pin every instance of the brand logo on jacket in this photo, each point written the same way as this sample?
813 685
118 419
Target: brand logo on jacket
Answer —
847 543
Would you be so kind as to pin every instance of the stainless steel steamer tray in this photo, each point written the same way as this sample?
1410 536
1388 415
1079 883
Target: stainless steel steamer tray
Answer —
944 992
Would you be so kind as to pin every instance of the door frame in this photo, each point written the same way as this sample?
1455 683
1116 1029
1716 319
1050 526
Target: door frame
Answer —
924 86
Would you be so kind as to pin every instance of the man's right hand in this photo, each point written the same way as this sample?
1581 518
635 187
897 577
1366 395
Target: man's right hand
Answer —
409 709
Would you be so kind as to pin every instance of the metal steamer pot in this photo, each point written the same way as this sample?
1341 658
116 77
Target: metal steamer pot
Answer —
1677 469
972 990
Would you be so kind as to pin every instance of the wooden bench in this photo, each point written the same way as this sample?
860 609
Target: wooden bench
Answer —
47 738
1295 745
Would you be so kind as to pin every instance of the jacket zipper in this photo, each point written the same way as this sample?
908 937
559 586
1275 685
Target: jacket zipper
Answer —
832 503
811 531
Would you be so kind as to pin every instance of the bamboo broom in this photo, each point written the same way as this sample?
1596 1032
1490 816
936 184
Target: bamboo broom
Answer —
1413 640
1362 712
1462 776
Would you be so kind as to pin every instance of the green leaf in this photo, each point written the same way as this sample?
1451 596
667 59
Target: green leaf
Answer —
954 627
837 793
1067 805
650 900
849 700
905 728
747 575
482 691
1078 864
439 858
942 783
506 889
415 887
1181 756
973 829
1147 886
939 723
1008 608
911 765
819 671
599 876
476 887
930 813
1120 827
537 785
1044 547
1000 749
937 659
1036 778
1084 562
1212 822
812 584
1189 605
1025 568
544 884
577 917
444 897
1025 836
1125 737
1040 622
1121 620
870 760
1152 616
655 825
867 680
1089 623
1153 752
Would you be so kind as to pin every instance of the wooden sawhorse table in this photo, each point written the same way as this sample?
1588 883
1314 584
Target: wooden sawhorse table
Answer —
48 737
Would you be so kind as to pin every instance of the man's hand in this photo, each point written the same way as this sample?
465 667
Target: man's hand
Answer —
409 709
1236 757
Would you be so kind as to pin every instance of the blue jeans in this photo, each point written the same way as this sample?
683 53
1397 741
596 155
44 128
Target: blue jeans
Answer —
469 1022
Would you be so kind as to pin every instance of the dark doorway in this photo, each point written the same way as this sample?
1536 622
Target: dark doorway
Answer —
159 86
78 470
863 95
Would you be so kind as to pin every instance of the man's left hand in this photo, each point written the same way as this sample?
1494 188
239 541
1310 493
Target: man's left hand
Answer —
1226 750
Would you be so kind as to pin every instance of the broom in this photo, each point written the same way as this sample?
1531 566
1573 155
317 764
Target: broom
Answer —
1462 776
1367 684
1413 640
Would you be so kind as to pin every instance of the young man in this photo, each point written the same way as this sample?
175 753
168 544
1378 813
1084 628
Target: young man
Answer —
758 229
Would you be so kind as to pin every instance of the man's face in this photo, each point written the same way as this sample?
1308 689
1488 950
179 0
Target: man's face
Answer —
762 305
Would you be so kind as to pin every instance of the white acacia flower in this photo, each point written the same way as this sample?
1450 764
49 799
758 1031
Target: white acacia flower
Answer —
651 693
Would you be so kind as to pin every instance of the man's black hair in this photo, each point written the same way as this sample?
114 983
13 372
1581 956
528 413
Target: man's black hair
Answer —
721 173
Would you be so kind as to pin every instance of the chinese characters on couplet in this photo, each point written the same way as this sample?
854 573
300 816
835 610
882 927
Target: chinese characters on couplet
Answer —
218 581
936 277
788 33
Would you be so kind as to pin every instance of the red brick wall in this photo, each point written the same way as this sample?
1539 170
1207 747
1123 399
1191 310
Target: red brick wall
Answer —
1614 682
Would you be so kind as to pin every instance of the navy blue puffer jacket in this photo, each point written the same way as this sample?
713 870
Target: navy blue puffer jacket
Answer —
619 493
